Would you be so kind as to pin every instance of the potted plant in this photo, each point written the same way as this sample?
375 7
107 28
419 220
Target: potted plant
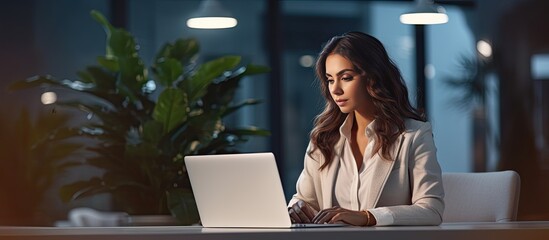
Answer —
141 136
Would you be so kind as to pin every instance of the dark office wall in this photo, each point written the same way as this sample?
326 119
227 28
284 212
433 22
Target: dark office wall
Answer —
517 30
16 57
38 37
522 32
56 37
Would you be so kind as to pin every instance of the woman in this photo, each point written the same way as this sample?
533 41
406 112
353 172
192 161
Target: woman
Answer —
371 159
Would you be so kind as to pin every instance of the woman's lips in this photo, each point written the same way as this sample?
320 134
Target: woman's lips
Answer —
341 102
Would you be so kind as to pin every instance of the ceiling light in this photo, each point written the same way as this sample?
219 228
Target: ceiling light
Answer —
484 48
307 61
425 12
211 15
48 98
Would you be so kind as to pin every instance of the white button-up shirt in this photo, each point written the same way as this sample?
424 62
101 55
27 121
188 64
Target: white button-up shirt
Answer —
351 183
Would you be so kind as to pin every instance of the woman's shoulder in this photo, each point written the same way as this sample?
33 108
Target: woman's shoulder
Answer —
413 125
418 131
313 153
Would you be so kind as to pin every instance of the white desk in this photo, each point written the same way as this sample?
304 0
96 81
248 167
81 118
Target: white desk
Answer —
450 231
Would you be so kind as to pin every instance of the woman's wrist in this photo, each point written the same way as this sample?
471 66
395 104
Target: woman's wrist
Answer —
367 215
370 219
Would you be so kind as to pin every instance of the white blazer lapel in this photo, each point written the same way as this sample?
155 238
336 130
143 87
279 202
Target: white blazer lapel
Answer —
382 170
328 176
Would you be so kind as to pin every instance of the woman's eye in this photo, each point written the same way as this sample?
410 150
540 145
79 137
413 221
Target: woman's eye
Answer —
330 81
347 78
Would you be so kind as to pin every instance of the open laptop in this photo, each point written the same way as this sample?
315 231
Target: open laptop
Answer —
240 190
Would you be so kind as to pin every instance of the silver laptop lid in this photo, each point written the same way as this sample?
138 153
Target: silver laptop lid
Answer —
238 190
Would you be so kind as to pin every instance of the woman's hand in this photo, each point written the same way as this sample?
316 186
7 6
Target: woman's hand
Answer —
337 214
301 212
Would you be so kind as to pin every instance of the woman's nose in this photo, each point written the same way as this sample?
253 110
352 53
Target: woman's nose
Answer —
336 89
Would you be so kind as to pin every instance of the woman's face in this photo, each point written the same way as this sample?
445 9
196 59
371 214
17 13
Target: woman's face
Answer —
346 86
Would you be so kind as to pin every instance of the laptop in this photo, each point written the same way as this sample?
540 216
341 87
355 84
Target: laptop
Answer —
240 190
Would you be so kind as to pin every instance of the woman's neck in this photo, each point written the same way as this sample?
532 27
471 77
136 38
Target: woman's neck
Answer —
362 120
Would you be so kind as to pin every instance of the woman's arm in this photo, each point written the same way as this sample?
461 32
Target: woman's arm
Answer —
307 182
426 186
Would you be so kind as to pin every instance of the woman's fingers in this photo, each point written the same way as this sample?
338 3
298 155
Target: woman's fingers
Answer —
356 218
300 215
293 216
300 212
337 214
307 210
325 215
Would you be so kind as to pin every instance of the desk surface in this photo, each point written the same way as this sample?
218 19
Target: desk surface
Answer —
448 231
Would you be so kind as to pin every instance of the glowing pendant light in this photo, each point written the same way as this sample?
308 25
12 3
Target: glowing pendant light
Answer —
425 13
211 15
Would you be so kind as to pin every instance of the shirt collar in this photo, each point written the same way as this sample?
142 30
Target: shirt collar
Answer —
345 128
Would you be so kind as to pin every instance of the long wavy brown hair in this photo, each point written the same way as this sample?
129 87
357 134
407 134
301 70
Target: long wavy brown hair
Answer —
384 85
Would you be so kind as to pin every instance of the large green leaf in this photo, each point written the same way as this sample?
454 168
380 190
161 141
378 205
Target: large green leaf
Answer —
77 86
168 71
219 95
197 84
122 54
152 131
103 80
184 50
253 69
171 108
37 81
249 131
203 128
104 85
131 78
242 104
122 44
142 150
176 139
108 63
114 120
227 140
106 26
81 189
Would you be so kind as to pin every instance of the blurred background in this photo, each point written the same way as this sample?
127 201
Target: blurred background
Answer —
481 79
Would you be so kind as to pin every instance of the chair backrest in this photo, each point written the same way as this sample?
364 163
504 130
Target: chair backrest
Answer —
481 197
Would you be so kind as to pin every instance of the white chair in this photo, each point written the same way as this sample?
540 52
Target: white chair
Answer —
481 197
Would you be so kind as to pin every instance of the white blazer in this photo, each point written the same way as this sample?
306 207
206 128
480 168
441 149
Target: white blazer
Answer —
408 187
